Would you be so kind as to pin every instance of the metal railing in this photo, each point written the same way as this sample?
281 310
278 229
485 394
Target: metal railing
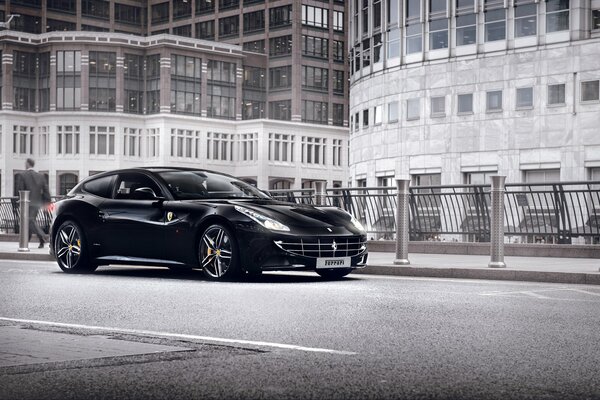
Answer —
10 215
533 213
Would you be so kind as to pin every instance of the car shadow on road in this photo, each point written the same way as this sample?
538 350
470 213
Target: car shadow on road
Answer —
197 275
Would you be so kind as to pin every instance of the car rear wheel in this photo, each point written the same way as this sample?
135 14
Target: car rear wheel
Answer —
334 273
218 253
71 250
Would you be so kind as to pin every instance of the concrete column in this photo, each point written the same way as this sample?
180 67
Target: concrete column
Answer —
320 195
497 223
402 198
165 81
24 220
85 80
7 76
120 81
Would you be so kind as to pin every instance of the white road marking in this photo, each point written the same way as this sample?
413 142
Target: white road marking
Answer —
143 332
585 292
536 294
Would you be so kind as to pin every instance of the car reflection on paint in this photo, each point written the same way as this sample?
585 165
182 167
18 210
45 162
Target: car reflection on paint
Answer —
190 218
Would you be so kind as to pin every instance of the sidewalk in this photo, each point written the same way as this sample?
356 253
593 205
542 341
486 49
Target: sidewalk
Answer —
535 269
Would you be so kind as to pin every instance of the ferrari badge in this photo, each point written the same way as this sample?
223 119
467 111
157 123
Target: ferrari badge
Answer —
170 216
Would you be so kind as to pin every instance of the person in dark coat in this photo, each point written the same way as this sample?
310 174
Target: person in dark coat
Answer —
39 196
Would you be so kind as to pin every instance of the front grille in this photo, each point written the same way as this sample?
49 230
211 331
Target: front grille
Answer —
324 247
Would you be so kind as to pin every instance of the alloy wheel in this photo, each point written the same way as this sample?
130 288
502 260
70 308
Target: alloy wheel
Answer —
68 249
216 252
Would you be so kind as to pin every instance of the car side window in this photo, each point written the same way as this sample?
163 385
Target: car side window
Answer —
101 187
128 183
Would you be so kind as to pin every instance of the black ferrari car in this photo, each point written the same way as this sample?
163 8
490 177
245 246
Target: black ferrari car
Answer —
189 218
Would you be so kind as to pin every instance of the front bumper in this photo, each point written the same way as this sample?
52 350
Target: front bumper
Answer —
269 251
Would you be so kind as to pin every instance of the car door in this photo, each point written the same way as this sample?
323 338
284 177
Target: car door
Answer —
131 225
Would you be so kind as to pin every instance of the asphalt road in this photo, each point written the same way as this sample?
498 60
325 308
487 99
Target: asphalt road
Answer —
293 336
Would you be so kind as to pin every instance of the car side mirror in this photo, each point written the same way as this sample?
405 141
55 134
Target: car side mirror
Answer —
145 193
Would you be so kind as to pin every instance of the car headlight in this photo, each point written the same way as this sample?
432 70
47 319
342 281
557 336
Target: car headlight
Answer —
357 223
263 220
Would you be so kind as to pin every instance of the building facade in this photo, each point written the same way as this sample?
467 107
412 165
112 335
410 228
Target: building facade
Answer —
452 91
256 89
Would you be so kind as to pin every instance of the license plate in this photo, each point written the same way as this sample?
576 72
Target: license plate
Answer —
333 262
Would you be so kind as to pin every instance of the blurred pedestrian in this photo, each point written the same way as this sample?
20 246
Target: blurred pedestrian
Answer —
39 196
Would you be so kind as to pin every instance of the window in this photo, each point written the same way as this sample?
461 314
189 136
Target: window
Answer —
393 43
315 78
160 13
365 17
479 178
314 46
366 52
103 81
221 89
525 19
556 94
54 25
495 25
377 115
438 106
229 26
102 140
281 147
66 182
24 81
542 176
465 103
205 6
185 84
313 150
134 84
254 21
205 30
132 142
186 143
23 139
414 36
315 112
228 4
181 8
426 180
466 29
376 15
595 19
247 147
337 152
338 82
393 12
338 50
393 111
152 142
365 118
280 77
256 46
68 80
557 15
280 16
356 122
413 109
67 139
377 45
96 8
590 91
185 30
67 6
127 183
315 16
438 34
44 142
525 97
338 20
338 114
281 110
493 101
127 14
100 187
153 84
280 46
27 23
92 28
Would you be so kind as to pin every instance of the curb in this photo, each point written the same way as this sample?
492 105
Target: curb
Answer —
477 273
25 256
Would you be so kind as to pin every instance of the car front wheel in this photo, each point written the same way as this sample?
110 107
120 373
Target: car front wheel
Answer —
70 249
218 253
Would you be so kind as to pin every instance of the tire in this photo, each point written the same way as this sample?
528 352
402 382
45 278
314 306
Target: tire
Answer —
218 253
70 249
334 274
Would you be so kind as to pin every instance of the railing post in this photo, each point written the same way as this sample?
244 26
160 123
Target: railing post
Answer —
24 220
320 192
497 223
402 199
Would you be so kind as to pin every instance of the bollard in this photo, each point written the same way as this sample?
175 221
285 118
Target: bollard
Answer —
497 223
320 192
24 220
402 222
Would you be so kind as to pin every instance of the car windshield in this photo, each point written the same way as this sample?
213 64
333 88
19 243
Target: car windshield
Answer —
189 185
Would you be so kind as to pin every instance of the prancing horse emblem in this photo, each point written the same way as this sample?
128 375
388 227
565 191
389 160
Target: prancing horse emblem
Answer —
170 216
334 245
